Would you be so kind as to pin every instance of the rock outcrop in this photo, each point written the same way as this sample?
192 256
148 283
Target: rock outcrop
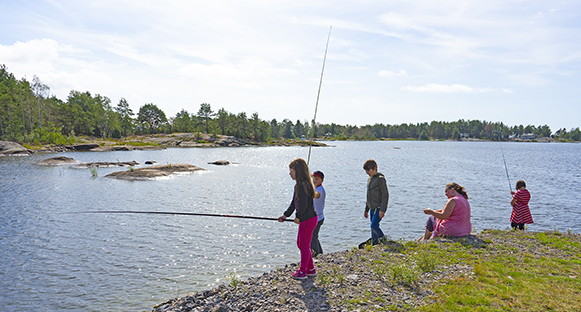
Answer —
13 149
114 148
154 172
83 147
57 161
104 164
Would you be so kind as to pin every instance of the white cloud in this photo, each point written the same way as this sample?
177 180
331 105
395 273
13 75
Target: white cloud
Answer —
388 74
37 53
267 56
440 88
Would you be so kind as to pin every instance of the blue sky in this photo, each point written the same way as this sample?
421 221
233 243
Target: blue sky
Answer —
388 62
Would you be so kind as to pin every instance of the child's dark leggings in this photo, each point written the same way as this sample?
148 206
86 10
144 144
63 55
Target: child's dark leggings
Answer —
519 226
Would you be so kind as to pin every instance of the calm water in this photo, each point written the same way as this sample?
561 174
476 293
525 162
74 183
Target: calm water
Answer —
53 260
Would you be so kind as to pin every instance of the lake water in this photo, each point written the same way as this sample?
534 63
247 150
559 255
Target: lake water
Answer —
54 260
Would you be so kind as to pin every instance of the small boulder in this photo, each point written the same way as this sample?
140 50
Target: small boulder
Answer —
220 163
150 162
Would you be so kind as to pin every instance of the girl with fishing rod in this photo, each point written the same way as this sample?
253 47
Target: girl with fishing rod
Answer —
521 213
306 216
302 202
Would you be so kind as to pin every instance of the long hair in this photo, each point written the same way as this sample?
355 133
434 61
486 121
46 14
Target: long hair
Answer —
303 176
457 188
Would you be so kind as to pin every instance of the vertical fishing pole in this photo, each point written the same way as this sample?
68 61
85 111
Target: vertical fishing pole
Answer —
505 168
318 94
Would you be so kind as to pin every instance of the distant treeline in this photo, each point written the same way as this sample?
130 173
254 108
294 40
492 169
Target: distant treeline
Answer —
29 113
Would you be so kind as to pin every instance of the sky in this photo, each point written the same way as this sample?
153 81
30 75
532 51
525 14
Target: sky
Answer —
390 62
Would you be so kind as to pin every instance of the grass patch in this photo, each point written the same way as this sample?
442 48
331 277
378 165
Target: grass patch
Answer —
508 278
494 271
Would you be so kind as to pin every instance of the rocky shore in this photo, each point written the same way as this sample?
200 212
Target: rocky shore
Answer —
344 279
146 143
391 277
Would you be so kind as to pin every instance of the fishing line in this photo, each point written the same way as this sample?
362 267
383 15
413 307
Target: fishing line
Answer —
506 168
318 94
182 214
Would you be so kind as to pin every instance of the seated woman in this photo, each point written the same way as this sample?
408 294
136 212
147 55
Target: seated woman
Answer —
454 218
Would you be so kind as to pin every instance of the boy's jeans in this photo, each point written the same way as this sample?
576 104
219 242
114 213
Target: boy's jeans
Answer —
376 232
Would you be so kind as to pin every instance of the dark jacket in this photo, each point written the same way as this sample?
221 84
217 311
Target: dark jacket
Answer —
306 209
377 193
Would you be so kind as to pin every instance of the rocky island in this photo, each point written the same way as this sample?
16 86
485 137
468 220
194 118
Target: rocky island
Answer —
153 172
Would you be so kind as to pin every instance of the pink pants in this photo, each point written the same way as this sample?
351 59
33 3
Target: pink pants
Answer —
304 237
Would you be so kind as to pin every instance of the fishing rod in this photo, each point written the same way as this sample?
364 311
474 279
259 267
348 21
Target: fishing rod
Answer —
318 94
183 214
506 168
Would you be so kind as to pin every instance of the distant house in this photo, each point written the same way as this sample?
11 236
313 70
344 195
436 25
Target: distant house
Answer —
528 136
464 135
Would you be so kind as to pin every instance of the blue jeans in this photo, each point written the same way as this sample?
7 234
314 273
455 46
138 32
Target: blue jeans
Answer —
376 232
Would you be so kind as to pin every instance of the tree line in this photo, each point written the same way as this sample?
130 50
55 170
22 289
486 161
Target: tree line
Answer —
29 113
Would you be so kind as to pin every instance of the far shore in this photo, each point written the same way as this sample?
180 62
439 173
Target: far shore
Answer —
187 140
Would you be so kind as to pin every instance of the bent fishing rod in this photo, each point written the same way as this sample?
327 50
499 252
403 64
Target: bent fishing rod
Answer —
182 214
506 168
318 94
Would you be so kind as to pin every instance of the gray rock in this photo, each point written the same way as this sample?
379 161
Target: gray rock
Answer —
152 172
84 147
13 149
103 164
220 163
57 161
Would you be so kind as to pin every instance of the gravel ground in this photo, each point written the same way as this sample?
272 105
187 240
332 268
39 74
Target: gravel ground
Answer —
354 280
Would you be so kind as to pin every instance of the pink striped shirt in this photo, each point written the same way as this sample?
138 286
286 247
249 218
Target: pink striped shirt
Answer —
521 212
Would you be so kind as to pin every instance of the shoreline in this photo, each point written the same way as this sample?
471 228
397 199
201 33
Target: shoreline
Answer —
190 140
398 276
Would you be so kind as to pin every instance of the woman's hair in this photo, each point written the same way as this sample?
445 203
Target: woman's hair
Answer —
369 164
302 177
520 183
457 188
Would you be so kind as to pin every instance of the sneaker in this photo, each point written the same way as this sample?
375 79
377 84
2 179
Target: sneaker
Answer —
298 275
312 272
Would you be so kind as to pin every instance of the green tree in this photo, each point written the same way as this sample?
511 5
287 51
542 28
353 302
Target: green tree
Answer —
241 125
575 134
108 117
205 113
288 126
42 92
182 122
274 128
255 123
223 117
152 116
125 116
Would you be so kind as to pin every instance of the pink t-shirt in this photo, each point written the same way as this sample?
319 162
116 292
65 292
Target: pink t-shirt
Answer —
458 224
